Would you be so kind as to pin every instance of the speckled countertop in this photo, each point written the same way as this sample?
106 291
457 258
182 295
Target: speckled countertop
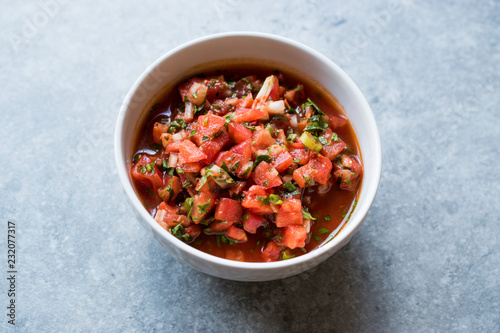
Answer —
427 258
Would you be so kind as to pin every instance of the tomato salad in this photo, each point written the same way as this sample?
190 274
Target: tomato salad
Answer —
247 168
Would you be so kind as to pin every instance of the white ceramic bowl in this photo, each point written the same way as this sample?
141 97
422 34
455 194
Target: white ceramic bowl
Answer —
246 47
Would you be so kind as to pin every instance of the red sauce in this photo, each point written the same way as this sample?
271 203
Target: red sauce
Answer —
329 208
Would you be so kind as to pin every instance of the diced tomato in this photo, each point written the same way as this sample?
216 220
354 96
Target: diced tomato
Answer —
334 148
294 236
300 155
172 186
297 144
280 135
266 175
204 202
158 130
271 252
234 254
246 102
212 147
194 230
289 213
244 149
191 167
190 153
253 222
173 147
236 157
216 87
252 202
209 186
168 208
261 139
239 187
302 125
236 234
188 181
281 158
167 219
349 178
332 151
337 122
317 170
229 210
217 227
208 127
238 132
247 114
140 173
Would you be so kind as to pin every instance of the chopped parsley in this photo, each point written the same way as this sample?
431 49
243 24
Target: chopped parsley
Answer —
307 215
176 125
323 230
311 103
261 158
202 209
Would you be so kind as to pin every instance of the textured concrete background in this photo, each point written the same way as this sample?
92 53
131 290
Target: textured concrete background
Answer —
427 258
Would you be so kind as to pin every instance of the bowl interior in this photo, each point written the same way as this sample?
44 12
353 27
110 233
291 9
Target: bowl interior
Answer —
250 48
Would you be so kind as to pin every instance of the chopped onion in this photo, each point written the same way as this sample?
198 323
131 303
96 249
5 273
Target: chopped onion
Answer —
188 111
172 160
197 93
262 152
177 137
293 120
310 142
307 224
309 111
277 107
166 139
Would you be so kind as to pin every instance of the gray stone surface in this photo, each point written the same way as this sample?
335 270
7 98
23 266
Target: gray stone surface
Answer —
427 258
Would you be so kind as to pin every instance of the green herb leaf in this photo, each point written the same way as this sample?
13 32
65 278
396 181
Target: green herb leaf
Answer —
249 126
275 199
324 141
307 215
327 218
188 205
176 125
323 230
310 102
261 158
290 187
202 209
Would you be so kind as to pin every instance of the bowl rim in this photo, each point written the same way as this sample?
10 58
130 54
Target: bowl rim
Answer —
342 236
